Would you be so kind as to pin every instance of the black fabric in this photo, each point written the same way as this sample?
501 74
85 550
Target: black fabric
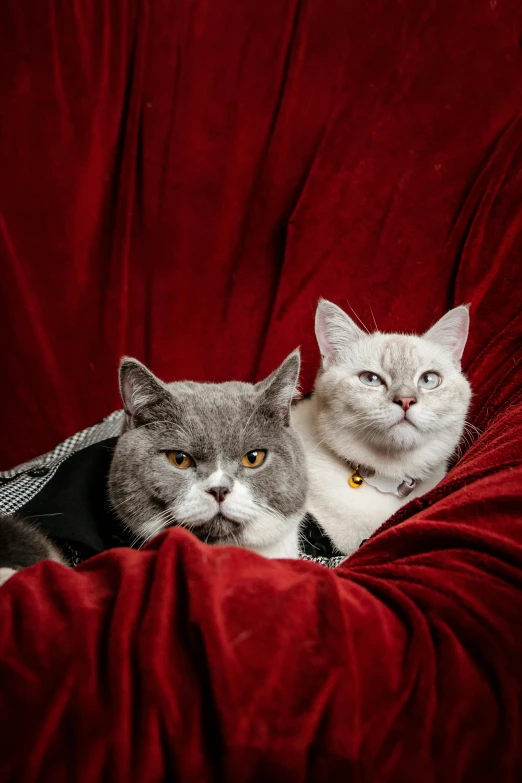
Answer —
314 540
73 509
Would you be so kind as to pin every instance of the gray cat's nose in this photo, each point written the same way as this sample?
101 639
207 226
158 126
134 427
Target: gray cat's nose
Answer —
219 493
405 402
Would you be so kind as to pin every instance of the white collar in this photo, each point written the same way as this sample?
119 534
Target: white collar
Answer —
401 488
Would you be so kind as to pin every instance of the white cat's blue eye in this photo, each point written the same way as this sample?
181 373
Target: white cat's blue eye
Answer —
371 379
429 380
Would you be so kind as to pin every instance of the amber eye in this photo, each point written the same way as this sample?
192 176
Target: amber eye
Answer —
180 460
253 459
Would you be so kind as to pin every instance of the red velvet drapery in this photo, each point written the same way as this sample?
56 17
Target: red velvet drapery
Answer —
180 180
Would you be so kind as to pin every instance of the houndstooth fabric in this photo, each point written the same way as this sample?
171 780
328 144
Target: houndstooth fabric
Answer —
329 562
21 484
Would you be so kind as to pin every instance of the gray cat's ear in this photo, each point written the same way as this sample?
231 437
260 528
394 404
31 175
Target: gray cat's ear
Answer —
280 387
451 331
335 332
139 389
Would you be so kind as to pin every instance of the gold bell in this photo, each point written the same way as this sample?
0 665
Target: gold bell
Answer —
356 480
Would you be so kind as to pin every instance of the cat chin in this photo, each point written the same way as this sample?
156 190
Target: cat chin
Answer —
396 438
220 530
404 436
223 531
407 451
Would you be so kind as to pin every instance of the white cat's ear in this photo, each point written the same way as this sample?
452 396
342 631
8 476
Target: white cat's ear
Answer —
280 387
139 388
451 331
335 331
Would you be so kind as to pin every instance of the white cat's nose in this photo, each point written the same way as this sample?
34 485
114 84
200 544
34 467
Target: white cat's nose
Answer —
219 493
405 402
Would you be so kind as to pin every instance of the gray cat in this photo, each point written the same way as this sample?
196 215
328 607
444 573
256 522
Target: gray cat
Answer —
218 459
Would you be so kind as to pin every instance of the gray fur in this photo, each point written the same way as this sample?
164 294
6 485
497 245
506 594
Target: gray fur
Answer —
23 545
216 424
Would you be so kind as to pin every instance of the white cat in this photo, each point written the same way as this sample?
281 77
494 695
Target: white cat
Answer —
387 412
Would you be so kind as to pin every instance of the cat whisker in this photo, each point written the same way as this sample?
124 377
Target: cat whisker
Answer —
254 410
374 321
129 499
304 540
359 319
271 512
160 525
470 435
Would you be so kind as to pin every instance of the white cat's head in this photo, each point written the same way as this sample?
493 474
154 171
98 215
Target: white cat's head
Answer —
384 398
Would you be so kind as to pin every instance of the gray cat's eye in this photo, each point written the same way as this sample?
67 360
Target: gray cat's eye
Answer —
429 381
253 459
180 459
371 379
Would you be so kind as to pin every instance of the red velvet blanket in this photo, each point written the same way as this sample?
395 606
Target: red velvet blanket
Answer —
181 181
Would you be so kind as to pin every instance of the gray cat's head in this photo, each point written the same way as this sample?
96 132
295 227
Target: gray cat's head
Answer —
392 399
218 459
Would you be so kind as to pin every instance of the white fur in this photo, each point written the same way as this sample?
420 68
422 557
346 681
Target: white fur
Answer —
285 547
5 574
263 530
346 421
347 515
215 479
